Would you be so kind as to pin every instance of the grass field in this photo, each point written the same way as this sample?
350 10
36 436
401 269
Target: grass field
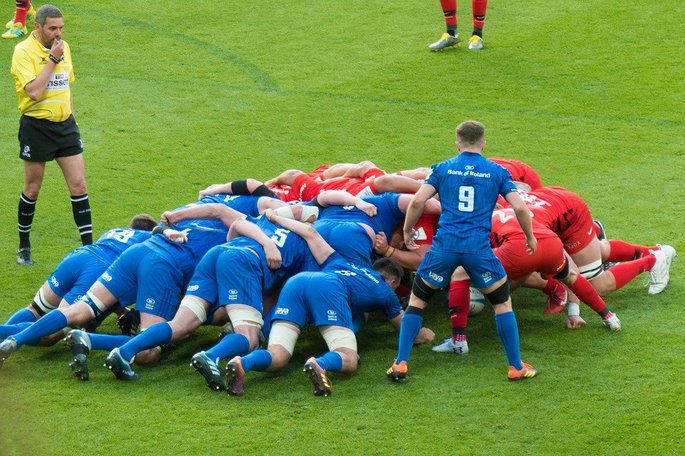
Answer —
170 99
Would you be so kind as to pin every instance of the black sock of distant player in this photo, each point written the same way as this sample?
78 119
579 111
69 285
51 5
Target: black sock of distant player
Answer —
80 207
478 32
25 211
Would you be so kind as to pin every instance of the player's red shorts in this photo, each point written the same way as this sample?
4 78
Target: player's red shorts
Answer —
284 193
306 187
548 258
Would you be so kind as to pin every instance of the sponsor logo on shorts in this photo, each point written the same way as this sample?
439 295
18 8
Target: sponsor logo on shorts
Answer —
232 295
26 152
149 303
80 298
193 287
282 311
332 315
106 277
571 246
54 281
487 277
437 277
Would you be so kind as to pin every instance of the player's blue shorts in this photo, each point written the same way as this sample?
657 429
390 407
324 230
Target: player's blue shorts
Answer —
228 275
317 297
349 239
148 277
75 274
483 268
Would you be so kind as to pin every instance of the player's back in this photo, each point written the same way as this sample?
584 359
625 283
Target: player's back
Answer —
114 242
468 185
295 254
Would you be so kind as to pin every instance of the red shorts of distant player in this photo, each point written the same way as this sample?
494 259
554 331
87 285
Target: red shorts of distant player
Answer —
319 170
548 258
308 186
284 193
520 171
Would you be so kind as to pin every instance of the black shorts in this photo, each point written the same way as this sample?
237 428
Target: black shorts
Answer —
41 140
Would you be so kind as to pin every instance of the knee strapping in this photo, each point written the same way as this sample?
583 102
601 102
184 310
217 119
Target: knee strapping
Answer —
246 317
339 338
196 306
422 290
40 304
284 335
592 270
94 304
500 295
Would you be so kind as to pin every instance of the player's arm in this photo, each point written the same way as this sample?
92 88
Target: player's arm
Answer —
414 209
317 244
215 211
342 198
523 216
35 88
244 227
408 259
424 336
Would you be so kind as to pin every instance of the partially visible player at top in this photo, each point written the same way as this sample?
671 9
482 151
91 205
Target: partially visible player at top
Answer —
451 36
16 27
468 185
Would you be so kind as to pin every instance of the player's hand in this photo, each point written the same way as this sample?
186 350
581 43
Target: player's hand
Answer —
366 207
168 218
269 214
211 190
180 237
531 245
409 240
380 244
574 322
273 256
425 336
57 48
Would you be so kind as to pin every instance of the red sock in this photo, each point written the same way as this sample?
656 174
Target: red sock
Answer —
625 272
624 251
479 8
20 12
458 303
551 286
449 9
587 294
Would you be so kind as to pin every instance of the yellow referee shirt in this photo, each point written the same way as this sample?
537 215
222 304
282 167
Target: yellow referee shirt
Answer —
29 59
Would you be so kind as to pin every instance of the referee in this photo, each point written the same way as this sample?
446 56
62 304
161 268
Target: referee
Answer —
43 71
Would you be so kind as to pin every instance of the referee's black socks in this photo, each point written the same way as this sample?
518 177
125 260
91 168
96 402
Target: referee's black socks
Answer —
80 207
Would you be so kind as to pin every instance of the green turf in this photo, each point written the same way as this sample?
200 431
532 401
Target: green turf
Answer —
171 98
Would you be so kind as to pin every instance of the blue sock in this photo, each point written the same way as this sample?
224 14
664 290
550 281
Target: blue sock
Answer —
107 341
411 324
258 360
157 334
10 330
228 347
21 316
50 323
331 361
508 332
